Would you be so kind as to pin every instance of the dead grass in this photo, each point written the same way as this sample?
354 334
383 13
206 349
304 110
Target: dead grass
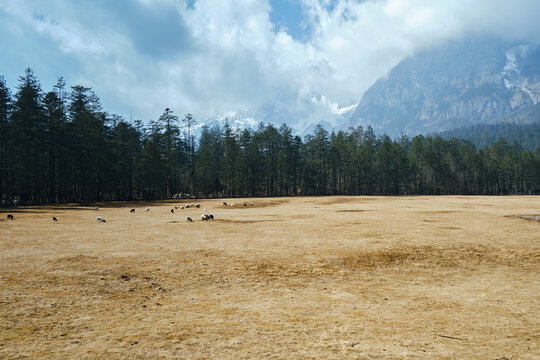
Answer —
345 277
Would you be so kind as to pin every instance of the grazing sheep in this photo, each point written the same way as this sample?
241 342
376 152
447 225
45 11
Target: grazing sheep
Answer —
232 204
191 205
96 208
100 219
189 219
211 217
205 217
147 209
132 210
245 204
224 203
251 204
54 219
172 211
187 206
181 207
197 205
10 217
205 210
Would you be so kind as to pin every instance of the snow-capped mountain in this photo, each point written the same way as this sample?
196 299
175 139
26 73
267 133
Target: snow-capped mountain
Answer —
455 85
452 85
301 116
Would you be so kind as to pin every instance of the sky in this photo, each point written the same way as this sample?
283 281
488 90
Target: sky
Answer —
212 57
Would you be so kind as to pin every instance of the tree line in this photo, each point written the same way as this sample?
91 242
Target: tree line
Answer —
482 135
62 147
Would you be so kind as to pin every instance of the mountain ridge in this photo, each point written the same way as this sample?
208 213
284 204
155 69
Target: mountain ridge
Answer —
457 84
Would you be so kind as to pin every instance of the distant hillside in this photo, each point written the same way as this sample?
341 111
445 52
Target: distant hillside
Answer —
457 84
482 135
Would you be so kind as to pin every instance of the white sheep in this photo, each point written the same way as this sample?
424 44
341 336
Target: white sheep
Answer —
232 204
147 209
204 217
100 219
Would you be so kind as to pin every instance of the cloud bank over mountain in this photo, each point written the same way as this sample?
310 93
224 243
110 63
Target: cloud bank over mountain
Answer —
212 57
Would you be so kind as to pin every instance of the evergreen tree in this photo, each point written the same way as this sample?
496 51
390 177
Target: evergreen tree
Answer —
210 157
28 140
6 190
168 122
189 123
231 169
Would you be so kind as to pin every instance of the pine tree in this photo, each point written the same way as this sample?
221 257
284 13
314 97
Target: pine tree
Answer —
28 140
231 151
189 123
171 135
6 190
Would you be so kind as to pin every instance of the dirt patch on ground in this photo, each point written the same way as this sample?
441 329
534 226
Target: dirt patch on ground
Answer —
331 200
244 221
434 212
454 256
527 217
238 204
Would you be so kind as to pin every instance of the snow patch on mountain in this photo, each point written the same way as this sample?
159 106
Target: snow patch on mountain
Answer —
455 84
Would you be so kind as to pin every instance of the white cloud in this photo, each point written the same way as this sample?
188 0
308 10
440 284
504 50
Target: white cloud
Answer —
234 58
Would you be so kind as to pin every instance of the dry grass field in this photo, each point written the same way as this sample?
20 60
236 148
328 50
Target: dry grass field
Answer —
289 278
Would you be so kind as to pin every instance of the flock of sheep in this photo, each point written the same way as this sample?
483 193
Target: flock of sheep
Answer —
204 217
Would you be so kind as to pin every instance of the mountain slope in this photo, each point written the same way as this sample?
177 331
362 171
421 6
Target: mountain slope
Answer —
456 84
482 135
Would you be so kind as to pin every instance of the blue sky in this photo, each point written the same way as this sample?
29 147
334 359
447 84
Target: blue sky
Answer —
211 57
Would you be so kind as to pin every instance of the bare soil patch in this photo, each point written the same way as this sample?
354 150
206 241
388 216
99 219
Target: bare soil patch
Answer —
244 221
528 217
